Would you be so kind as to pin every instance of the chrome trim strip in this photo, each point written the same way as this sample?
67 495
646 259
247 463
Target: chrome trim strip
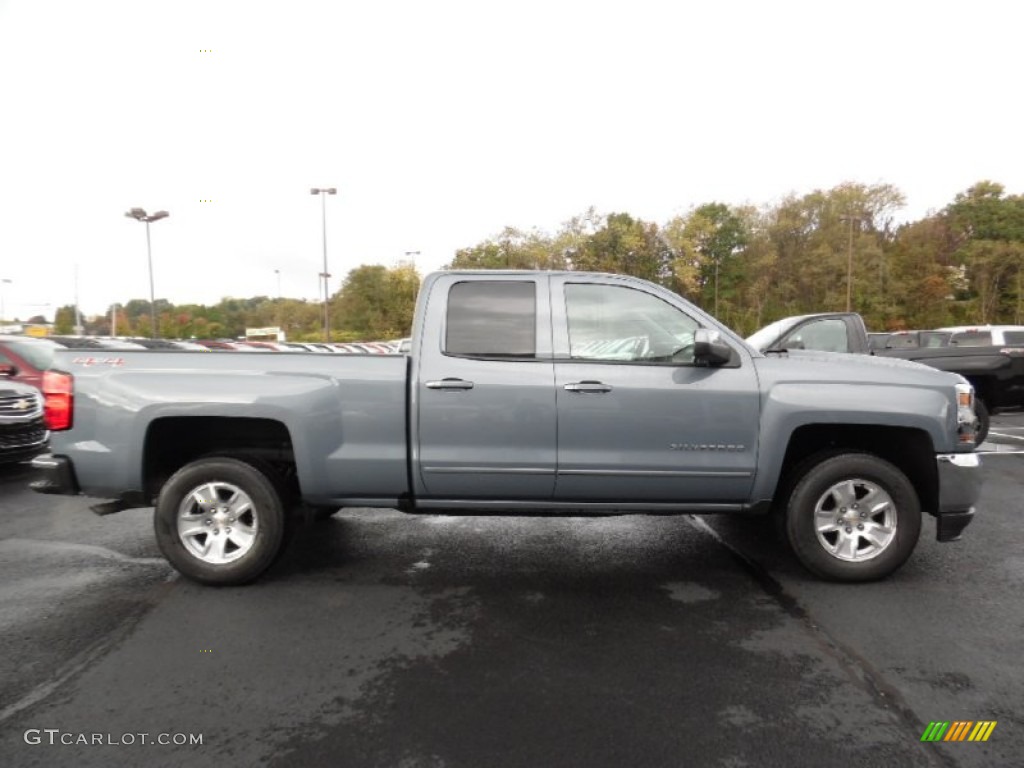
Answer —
649 473
488 471
651 507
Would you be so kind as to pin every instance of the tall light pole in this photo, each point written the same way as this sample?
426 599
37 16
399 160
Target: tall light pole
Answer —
140 215
3 291
78 314
323 192
849 259
278 302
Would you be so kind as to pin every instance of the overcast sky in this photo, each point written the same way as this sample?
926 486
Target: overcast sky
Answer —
441 122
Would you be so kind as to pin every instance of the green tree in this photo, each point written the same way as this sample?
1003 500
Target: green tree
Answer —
376 303
512 249
64 320
627 246
705 243
988 227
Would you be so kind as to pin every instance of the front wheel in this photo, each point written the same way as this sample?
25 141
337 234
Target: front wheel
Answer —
853 517
220 521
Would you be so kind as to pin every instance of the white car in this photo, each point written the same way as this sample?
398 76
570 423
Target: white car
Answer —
986 335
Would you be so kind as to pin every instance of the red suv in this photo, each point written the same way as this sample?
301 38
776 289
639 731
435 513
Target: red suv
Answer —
29 356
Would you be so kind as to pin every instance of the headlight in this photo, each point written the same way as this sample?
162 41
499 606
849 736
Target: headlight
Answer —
966 420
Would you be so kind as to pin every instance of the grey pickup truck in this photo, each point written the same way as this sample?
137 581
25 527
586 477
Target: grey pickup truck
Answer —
522 393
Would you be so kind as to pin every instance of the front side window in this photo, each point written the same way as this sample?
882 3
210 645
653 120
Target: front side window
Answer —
492 319
616 323
820 335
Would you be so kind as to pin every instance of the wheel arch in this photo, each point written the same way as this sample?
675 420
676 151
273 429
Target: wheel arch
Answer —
174 441
909 450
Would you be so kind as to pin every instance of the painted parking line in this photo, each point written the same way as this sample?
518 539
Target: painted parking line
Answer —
1008 437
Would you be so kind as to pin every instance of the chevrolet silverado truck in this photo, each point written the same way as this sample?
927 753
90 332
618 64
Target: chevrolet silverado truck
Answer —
522 393
995 370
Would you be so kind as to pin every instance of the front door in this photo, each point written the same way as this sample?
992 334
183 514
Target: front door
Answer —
638 420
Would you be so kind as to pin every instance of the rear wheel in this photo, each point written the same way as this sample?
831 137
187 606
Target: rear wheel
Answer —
220 521
853 517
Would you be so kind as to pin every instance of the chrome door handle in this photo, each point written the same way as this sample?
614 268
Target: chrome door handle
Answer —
450 385
588 387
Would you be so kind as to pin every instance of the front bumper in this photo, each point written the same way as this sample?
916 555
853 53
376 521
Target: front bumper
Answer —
959 491
56 475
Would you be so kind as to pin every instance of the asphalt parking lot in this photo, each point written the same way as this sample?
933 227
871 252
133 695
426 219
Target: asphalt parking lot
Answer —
382 639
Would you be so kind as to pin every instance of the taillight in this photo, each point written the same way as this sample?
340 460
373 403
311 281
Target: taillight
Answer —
58 400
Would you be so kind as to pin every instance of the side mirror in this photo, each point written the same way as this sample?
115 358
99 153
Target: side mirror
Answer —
8 370
709 349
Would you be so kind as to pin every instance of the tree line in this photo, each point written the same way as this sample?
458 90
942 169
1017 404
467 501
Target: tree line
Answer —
751 265
745 264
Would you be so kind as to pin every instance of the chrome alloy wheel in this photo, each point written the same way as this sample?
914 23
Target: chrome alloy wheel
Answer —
855 520
217 522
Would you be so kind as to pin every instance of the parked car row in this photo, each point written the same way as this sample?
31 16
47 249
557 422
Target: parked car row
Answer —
955 336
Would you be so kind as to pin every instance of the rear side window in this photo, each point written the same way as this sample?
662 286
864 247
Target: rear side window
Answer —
1013 337
496 319
934 339
901 341
878 340
972 339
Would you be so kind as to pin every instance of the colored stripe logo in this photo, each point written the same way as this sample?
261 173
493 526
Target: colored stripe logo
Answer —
959 730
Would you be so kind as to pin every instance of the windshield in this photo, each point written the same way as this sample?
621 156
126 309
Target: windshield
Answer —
39 353
768 335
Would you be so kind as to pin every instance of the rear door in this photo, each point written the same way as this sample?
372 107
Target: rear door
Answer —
484 395
638 421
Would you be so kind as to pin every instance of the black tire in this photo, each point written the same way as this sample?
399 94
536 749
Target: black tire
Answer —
854 550
263 520
981 411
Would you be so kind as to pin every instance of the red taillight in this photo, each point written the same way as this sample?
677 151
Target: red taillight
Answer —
58 400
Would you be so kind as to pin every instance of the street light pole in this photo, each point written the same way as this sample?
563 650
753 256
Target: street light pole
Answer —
78 314
323 192
140 215
849 259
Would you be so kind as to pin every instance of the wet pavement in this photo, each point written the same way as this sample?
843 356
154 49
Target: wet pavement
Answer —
382 639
